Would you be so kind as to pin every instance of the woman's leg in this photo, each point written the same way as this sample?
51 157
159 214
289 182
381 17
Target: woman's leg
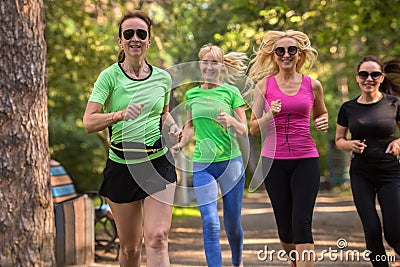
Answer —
389 200
304 187
157 223
128 219
232 187
277 183
364 194
206 189
288 247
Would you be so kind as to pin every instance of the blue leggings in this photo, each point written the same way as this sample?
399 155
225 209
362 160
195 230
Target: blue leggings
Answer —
230 176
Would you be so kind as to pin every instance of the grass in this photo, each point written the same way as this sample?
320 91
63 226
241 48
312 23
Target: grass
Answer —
177 212
185 212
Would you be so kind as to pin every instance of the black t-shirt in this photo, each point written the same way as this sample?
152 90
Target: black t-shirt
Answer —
375 122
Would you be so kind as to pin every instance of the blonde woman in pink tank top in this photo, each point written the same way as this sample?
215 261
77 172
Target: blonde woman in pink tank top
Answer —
284 101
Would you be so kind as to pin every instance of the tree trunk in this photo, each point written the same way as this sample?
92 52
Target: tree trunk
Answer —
26 209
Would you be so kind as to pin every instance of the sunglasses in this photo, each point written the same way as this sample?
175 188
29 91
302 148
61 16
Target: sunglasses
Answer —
141 34
375 75
280 51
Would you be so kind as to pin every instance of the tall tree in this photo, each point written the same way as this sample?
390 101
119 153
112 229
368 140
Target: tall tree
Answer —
26 210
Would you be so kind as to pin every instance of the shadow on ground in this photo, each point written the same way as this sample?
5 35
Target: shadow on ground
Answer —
335 224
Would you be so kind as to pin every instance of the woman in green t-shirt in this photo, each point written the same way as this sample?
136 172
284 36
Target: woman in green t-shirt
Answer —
131 98
215 115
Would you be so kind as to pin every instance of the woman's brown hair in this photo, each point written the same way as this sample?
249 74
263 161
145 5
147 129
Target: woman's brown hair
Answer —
130 15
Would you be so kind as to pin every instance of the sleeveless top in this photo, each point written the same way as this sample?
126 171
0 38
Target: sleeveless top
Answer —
288 133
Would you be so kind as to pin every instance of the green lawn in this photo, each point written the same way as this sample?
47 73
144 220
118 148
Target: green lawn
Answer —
185 212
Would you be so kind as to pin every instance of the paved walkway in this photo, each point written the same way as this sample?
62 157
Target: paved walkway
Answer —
335 223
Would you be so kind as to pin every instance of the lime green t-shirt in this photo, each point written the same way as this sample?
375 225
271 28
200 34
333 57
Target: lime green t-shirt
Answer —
115 91
213 142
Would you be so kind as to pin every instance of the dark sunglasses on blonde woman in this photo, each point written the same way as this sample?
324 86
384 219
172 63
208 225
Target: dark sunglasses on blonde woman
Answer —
375 75
280 51
141 34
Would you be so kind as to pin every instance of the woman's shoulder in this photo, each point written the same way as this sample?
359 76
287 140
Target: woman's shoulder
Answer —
193 91
352 103
159 71
111 68
110 73
229 87
391 98
262 84
313 82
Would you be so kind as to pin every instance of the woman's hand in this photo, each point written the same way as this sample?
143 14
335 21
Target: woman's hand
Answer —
133 111
174 133
176 149
321 124
393 148
358 146
224 119
275 107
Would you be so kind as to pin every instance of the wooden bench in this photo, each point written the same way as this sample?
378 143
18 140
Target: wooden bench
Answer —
74 219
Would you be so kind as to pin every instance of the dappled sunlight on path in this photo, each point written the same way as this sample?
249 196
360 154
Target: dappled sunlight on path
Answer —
335 220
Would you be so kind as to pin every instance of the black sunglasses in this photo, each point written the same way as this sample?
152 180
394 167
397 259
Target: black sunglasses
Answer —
141 34
375 75
280 51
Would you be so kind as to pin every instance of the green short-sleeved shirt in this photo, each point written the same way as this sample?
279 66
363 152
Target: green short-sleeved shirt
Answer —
213 142
115 91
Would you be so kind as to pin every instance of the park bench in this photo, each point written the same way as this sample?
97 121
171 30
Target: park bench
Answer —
74 216
81 228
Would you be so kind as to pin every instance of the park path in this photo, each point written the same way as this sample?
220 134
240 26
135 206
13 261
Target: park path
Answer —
335 218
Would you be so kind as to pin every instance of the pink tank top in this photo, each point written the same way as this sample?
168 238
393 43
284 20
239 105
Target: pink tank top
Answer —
288 134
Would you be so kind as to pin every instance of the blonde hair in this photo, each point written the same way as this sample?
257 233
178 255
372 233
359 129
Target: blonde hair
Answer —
235 61
263 65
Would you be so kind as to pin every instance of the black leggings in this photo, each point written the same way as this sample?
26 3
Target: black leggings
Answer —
368 181
292 186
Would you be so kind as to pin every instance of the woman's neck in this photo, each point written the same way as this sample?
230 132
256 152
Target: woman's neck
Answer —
287 75
136 68
368 98
207 85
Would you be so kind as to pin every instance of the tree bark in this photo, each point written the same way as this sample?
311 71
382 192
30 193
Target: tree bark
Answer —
26 210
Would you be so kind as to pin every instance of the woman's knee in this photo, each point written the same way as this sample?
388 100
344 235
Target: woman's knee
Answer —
131 249
234 233
233 227
285 234
157 238
210 222
302 232
392 237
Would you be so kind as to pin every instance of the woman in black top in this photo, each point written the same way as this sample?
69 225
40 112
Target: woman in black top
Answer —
372 119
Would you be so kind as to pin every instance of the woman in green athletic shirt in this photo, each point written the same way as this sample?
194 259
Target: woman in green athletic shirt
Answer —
215 115
131 98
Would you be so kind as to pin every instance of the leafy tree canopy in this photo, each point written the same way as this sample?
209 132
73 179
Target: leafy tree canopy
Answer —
82 40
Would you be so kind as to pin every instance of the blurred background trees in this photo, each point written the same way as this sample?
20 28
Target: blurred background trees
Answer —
82 37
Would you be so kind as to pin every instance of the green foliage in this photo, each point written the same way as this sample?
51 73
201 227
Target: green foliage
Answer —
82 40
81 154
185 212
